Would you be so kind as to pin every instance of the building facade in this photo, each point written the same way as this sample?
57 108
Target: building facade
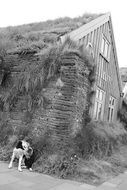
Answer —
97 36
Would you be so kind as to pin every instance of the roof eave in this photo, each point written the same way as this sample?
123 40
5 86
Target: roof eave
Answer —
87 28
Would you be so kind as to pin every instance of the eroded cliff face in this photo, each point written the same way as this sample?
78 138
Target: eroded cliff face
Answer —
63 101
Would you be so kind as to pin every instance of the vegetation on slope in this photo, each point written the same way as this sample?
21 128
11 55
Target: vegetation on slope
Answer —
94 144
33 76
122 113
39 35
29 82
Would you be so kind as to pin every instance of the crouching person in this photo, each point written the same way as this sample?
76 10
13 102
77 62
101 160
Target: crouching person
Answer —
29 158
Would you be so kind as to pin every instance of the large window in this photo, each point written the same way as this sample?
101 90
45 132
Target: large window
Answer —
105 47
111 108
99 104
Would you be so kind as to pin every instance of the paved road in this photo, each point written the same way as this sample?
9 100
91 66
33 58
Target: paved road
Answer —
11 179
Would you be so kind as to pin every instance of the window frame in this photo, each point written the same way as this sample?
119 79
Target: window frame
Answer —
99 104
111 108
105 52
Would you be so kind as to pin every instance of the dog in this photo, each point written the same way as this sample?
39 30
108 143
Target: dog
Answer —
19 151
29 158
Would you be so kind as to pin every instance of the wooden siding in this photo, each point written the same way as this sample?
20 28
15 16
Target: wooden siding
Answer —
87 28
107 74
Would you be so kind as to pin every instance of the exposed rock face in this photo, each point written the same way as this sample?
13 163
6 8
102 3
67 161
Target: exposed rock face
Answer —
64 101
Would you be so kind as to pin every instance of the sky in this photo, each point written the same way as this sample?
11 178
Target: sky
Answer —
17 12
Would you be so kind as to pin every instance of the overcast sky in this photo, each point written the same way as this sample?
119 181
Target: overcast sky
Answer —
17 12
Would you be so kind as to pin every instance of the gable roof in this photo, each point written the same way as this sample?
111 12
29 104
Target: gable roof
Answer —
87 28
91 26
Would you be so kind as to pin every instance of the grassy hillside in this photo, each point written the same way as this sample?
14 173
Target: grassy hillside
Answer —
39 35
37 91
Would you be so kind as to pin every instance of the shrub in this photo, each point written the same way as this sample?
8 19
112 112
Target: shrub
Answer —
7 148
61 165
6 131
5 153
122 113
99 139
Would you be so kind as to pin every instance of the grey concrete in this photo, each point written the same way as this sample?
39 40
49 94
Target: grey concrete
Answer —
12 179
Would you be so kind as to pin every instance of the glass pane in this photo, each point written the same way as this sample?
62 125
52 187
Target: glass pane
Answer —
96 109
102 45
112 101
106 49
97 93
111 114
108 113
99 111
101 96
102 68
100 65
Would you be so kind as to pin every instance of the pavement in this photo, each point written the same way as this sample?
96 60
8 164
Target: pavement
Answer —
12 179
